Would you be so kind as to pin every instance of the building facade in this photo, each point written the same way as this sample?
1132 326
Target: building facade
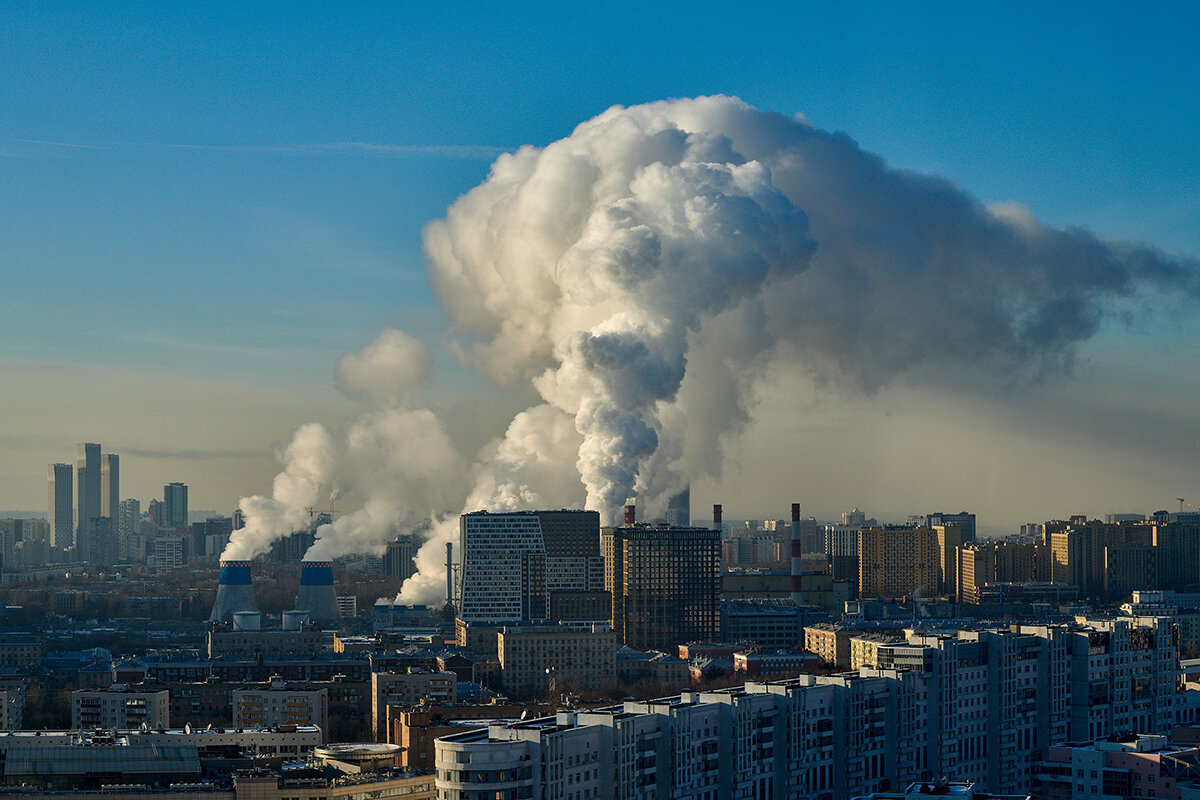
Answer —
518 566
87 506
62 506
119 707
175 505
280 704
666 585
895 562
540 658
983 707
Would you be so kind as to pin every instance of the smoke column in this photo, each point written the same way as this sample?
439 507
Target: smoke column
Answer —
643 274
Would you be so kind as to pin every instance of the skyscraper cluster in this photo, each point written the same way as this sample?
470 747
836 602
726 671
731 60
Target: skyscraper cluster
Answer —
89 522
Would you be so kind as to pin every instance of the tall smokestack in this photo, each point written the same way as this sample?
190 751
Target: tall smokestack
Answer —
234 592
630 514
797 558
316 592
717 516
449 572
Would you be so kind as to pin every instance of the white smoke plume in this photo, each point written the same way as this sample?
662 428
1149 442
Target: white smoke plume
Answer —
642 275
387 369
599 267
398 462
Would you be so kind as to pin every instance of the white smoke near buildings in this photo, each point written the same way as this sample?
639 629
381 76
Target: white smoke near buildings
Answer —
398 462
643 274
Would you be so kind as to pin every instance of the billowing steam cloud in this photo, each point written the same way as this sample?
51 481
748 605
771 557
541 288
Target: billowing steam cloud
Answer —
643 272
398 462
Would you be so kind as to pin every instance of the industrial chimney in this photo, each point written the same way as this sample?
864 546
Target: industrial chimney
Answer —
630 514
234 592
449 573
797 558
316 592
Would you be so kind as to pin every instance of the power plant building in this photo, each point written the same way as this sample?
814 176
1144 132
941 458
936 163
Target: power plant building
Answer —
317 595
234 592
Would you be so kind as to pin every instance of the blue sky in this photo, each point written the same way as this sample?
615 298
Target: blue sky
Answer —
202 206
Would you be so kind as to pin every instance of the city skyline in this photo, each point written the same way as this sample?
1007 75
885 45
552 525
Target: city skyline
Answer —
260 215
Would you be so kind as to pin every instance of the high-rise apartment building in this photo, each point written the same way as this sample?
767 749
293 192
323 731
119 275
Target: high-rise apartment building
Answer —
530 565
102 541
175 505
949 537
666 584
979 707
679 508
976 568
894 562
62 506
1108 561
110 485
963 519
398 558
854 517
88 485
129 511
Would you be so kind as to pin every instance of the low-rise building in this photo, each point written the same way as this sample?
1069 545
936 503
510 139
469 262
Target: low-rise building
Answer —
227 642
1130 765
768 625
535 658
280 704
759 664
406 689
119 706
20 650
830 642
415 729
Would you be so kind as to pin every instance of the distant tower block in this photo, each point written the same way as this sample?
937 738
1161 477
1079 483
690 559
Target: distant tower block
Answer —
717 523
316 592
630 515
679 508
797 558
234 592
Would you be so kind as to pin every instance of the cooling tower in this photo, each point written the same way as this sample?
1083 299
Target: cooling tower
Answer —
316 592
797 558
234 592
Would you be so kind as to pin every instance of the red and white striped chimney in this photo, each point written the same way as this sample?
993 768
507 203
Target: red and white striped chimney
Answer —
630 514
797 557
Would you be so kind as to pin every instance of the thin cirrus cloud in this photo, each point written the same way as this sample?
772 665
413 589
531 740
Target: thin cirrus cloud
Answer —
40 148
360 149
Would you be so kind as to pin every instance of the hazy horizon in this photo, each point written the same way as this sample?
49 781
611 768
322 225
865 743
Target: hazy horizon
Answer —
206 210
